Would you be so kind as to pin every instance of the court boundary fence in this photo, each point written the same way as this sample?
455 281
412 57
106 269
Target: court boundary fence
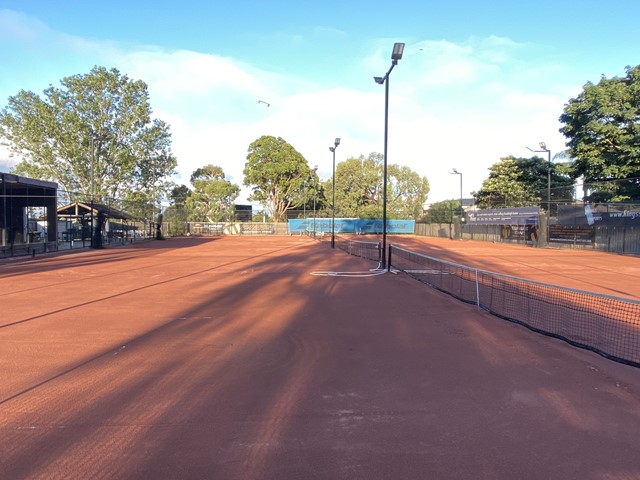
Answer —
606 325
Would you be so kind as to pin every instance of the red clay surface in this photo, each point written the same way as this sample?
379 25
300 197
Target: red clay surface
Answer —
592 271
226 359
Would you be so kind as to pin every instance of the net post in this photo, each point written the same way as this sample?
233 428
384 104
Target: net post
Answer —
389 263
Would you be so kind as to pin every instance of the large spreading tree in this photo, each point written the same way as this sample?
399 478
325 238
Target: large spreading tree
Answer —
94 136
603 127
277 174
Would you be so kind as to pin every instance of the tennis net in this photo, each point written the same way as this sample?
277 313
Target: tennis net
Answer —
369 250
607 325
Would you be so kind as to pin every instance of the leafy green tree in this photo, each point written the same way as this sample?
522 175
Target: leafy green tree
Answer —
260 217
603 127
534 176
359 189
94 135
138 205
176 214
212 198
276 172
312 195
406 192
358 183
178 195
504 187
443 212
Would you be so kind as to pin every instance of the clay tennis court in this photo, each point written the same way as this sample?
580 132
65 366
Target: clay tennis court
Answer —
588 270
236 358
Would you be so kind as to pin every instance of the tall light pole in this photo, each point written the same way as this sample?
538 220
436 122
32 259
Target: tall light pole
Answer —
456 172
396 54
543 148
333 195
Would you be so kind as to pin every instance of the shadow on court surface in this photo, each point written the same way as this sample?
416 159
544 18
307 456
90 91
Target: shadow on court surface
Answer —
70 259
228 359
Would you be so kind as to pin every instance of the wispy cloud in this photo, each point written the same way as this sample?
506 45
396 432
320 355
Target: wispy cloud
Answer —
452 104
17 26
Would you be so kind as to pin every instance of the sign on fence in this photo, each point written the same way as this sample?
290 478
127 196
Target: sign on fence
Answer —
505 216
570 234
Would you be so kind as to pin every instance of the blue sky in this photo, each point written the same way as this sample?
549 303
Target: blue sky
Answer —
478 80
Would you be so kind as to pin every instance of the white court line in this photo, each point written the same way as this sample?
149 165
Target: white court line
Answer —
430 272
370 273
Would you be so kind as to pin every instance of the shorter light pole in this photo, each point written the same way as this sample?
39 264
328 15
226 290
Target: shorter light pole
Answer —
315 193
333 195
456 172
314 214
543 148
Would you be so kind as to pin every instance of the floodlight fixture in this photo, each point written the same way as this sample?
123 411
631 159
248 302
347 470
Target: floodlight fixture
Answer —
379 80
398 49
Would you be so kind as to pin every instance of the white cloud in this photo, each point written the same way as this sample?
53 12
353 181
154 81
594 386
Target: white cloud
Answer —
19 27
452 105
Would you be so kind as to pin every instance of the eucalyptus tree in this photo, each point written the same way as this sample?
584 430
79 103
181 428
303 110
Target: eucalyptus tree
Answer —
213 196
277 173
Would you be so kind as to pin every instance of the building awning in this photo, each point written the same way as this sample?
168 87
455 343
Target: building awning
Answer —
80 209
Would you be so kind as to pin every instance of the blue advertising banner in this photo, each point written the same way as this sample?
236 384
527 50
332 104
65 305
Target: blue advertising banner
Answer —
350 225
505 216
